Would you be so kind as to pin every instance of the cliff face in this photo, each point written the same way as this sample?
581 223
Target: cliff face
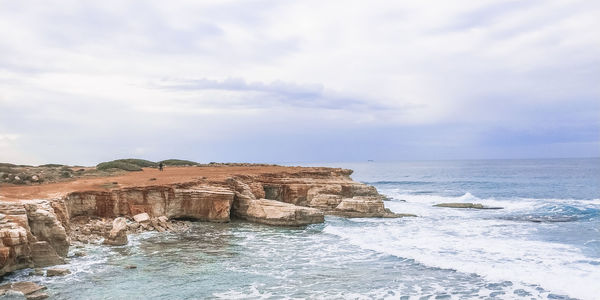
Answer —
34 233
200 202
331 191
31 235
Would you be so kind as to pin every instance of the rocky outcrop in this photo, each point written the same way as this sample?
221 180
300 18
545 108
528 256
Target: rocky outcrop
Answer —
35 233
270 212
30 235
329 190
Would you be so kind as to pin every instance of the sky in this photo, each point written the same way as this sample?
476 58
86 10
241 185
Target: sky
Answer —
298 81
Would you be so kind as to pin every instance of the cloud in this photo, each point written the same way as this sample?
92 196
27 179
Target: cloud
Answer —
85 81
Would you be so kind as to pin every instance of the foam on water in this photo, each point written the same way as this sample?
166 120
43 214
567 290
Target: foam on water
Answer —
485 242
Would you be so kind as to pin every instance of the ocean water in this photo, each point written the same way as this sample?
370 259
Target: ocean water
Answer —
543 244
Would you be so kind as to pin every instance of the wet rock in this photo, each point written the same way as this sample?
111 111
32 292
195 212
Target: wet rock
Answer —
79 253
57 272
27 289
37 296
131 267
37 272
466 205
118 233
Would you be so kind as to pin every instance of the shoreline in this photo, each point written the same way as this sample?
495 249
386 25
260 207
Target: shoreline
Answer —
40 222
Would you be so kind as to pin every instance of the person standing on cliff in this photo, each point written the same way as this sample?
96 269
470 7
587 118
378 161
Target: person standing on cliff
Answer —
160 166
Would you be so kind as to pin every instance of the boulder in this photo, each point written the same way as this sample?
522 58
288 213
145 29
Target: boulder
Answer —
118 234
141 218
57 272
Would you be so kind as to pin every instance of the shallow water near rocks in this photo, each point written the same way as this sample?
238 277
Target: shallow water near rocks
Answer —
240 260
544 244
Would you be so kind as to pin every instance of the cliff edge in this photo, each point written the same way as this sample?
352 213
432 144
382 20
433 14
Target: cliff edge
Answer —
35 219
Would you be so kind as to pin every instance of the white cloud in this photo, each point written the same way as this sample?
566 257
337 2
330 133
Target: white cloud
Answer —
216 69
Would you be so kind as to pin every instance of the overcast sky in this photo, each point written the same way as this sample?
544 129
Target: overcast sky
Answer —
298 81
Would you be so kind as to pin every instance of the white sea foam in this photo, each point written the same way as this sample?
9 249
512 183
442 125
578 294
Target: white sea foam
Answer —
469 241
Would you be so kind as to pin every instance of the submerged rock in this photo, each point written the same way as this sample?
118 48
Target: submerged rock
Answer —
28 289
466 205
57 272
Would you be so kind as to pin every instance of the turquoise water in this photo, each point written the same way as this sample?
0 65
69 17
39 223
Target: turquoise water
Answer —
544 244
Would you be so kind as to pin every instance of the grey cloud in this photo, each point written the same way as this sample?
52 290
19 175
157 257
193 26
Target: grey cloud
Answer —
277 92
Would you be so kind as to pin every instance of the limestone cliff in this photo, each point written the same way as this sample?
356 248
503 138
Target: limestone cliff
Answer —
34 233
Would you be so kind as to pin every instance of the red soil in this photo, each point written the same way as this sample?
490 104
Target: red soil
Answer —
170 175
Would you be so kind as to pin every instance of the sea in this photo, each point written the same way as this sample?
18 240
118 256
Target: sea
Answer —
543 244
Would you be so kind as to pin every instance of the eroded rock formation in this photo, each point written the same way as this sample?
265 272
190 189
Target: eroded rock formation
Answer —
35 233
30 235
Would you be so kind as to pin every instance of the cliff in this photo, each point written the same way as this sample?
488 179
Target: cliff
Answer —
35 233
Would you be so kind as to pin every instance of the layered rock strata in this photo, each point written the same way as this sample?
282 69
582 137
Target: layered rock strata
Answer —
37 233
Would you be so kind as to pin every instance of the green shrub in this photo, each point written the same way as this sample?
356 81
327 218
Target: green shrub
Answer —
142 163
179 162
6 169
7 165
118 164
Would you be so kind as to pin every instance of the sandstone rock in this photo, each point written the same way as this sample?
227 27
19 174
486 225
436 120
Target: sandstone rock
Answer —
57 272
44 255
140 218
466 205
30 234
118 234
35 178
202 203
282 214
45 225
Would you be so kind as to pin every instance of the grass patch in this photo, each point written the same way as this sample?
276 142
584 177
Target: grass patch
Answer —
179 162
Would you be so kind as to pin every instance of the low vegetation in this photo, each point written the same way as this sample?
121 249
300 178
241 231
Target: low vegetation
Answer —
25 174
118 165
179 162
